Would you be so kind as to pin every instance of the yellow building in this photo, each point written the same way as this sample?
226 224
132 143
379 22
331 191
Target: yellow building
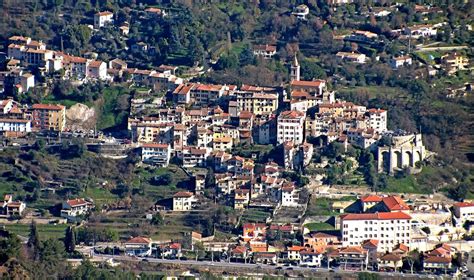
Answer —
257 103
152 132
222 143
49 117
455 62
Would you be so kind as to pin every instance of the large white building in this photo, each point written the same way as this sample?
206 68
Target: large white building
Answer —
389 228
377 120
156 154
15 125
290 127
463 211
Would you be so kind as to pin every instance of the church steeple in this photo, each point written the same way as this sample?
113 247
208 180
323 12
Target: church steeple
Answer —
295 70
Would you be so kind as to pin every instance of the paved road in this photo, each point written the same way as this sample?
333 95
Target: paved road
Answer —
187 263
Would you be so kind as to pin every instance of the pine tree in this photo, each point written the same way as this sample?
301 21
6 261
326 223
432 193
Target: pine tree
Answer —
70 240
33 240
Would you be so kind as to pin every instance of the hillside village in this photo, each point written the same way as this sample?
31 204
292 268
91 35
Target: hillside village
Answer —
292 175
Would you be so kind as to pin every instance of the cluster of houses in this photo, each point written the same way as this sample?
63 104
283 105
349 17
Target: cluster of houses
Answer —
375 232
17 120
206 121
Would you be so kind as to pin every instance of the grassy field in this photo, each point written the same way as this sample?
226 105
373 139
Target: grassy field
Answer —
251 215
318 226
45 231
322 206
107 106
403 185
423 183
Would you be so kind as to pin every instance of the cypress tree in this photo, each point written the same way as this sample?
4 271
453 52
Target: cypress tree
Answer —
70 240
33 240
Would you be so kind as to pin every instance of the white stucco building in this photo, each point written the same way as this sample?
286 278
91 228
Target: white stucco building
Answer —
182 201
102 18
290 127
397 62
97 69
289 196
72 208
15 125
463 211
377 119
156 154
389 228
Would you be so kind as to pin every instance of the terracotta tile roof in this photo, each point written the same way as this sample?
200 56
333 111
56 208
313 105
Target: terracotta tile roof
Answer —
291 115
15 204
371 198
14 120
255 88
14 46
18 38
119 61
402 247
95 63
353 250
197 151
239 250
394 203
254 226
245 115
265 95
155 145
288 188
464 204
391 257
105 13
314 251
75 59
370 243
76 202
295 248
316 83
183 194
377 216
322 235
266 48
139 240
222 140
376 111
299 94
175 246
208 87
47 107
402 58
435 259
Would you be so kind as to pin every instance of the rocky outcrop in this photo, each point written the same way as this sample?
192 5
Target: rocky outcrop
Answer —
80 117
